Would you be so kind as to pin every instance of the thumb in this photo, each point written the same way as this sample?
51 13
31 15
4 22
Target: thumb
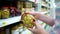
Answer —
36 24
32 30
31 13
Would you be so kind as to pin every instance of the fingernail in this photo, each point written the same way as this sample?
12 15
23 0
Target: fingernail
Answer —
33 20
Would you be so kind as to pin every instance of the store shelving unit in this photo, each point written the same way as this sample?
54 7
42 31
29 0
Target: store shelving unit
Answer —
12 20
9 21
49 11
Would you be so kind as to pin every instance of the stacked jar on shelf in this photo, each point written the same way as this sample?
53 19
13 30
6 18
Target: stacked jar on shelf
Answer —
4 13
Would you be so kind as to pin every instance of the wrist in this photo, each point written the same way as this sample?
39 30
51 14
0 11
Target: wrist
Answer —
44 32
38 16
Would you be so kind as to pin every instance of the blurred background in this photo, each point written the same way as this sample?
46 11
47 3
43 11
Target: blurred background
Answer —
11 10
58 10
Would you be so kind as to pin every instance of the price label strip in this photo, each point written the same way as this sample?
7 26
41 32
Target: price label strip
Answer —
29 32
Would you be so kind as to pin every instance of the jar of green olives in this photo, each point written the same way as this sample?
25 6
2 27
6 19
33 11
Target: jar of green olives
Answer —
28 20
5 13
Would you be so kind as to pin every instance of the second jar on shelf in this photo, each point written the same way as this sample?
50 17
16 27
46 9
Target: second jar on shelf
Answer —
5 13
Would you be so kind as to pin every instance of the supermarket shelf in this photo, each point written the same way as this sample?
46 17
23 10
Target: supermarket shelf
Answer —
45 5
5 22
32 0
27 0
44 12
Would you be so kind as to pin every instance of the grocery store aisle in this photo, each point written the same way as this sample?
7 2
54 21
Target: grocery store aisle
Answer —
11 10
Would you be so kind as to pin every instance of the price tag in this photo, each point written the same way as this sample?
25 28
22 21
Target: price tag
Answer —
29 32
4 23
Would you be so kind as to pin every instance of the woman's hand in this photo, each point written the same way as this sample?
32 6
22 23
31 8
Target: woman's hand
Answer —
35 14
38 29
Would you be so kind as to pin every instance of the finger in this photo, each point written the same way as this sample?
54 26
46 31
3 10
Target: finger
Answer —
22 15
32 30
31 13
25 13
36 24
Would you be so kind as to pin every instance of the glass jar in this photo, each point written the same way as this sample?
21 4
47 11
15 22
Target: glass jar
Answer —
28 20
5 13
28 4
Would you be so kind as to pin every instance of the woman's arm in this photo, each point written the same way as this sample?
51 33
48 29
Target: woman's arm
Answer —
44 18
48 20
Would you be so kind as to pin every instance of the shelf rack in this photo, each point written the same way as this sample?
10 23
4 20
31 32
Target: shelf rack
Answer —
5 22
